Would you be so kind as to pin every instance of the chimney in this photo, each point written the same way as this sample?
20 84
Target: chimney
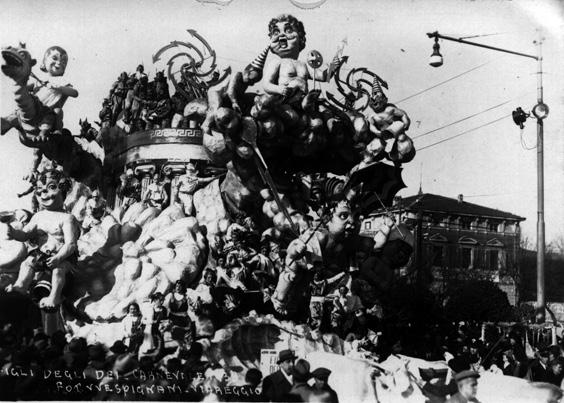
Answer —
460 198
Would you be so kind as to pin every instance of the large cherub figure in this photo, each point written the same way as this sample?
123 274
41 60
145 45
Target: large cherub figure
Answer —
53 92
36 114
322 244
50 92
287 76
55 233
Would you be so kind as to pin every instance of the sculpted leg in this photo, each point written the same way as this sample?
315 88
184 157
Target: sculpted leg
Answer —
25 276
279 296
58 280
187 203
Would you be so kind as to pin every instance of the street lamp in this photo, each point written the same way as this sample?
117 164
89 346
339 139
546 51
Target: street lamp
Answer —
540 112
436 59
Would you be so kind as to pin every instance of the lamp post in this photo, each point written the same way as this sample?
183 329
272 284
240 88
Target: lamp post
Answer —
540 112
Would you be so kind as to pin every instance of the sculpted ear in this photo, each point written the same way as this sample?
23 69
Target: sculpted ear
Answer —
33 62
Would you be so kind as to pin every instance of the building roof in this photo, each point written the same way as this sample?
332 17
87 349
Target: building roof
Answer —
441 204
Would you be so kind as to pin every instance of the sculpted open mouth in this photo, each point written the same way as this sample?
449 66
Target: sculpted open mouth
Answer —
283 43
46 200
11 60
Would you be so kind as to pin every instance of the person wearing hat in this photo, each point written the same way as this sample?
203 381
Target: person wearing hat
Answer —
96 361
301 375
116 349
467 383
510 366
538 369
322 388
278 384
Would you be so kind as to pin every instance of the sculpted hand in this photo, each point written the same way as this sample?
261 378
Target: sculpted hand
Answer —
285 91
30 176
53 262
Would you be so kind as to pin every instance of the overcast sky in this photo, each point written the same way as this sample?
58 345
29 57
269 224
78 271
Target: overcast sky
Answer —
490 165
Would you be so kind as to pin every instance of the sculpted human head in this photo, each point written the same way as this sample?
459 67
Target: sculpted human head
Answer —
55 61
287 36
378 102
342 222
51 190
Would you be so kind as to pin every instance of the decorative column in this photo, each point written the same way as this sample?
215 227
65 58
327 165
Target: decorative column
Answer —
175 170
145 170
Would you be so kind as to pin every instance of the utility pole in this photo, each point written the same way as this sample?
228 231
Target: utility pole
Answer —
540 192
540 112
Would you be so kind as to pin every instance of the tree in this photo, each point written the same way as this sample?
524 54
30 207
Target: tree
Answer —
478 300
556 246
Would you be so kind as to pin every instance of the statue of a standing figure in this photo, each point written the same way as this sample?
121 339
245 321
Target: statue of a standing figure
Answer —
187 186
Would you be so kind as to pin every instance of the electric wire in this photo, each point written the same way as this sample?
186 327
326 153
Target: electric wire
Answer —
473 115
491 195
524 144
443 82
464 132
463 119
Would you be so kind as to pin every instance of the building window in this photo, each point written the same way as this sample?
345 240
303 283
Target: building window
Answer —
492 226
367 225
465 223
465 258
437 255
492 259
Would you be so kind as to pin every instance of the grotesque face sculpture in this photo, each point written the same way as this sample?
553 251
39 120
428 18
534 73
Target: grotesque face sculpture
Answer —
378 102
17 62
342 223
287 36
51 191
55 61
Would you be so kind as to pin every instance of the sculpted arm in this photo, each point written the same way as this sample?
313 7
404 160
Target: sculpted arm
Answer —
270 79
67 90
320 75
165 198
374 123
70 236
25 233
401 114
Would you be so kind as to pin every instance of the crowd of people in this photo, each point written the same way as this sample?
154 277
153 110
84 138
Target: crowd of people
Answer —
35 366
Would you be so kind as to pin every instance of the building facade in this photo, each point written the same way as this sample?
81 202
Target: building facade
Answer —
457 240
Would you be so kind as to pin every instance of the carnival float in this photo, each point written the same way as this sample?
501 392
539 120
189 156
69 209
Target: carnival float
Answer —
252 159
